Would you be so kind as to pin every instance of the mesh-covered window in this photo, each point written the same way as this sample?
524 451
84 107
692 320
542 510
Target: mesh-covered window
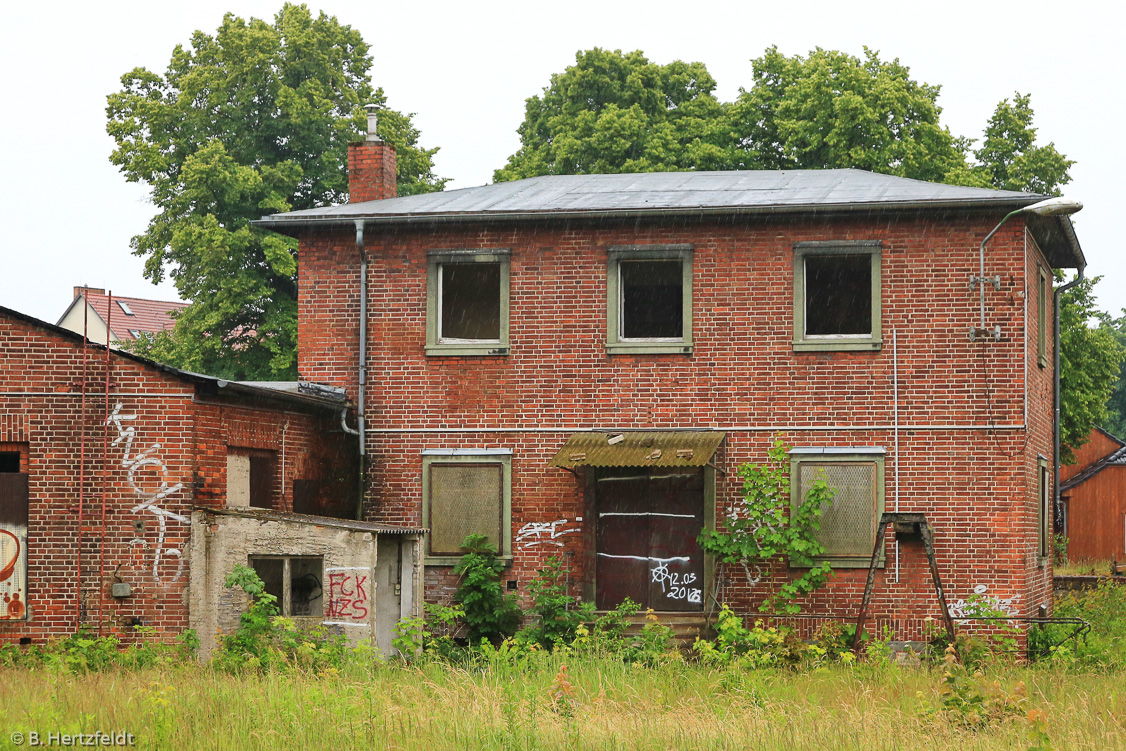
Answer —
465 498
470 302
848 526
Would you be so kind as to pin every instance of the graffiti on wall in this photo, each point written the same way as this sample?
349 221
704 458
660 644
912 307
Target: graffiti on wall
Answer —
981 603
349 596
148 477
535 534
13 570
675 586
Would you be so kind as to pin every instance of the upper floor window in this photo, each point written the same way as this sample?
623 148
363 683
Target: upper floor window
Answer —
649 299
467 302
837 295
1043 294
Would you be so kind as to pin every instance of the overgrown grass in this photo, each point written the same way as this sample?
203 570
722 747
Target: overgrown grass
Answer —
605 705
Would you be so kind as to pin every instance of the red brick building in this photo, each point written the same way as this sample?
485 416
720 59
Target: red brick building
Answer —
578 365
103 458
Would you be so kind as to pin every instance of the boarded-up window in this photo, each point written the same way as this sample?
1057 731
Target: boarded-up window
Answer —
464 499
297 582
848 523
13 538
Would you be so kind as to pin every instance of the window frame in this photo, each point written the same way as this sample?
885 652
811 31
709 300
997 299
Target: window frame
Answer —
498 456
435 259
618 345
285 604
1042 287
1043 511
873 341
850 455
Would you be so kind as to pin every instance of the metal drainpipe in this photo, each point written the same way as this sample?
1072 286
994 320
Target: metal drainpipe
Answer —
363 367
1056 377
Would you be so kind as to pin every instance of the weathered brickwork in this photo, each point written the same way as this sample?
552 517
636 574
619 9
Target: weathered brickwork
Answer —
130 466
974 417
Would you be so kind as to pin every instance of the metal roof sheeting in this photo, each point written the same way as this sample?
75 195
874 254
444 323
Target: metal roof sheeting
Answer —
664 191
698 194
651 449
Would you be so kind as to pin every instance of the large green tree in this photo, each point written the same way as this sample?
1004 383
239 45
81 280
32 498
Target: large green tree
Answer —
832 110
612 112
254 119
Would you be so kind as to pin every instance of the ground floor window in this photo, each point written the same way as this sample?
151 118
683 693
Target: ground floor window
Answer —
297 582
848 524
466 491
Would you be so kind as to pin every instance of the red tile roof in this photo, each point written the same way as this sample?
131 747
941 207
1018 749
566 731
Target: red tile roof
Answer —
148 316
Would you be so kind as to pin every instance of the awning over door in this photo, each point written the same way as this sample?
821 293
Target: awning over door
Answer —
667 448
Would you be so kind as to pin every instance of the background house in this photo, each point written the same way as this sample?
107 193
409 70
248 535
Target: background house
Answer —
130 317
1093 493
129 490
577 366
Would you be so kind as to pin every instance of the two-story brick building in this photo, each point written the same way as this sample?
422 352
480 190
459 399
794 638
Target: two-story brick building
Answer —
578 365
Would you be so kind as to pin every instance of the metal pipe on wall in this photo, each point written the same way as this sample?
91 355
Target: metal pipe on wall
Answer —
363 368
81 463
105 478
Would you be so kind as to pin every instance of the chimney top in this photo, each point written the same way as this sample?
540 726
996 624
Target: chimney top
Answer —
373 114
84 289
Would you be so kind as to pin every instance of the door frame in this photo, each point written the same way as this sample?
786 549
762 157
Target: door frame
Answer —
590 544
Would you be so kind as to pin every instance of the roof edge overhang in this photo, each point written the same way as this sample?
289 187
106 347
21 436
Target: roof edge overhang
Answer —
659 449
316 521
1056 235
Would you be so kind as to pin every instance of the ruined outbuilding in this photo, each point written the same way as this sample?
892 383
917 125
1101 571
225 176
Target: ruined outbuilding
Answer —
129 490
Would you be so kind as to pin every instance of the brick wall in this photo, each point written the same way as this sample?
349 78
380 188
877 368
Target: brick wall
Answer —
965 457
158 450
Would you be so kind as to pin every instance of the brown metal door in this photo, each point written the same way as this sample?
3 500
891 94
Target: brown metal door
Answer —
646 536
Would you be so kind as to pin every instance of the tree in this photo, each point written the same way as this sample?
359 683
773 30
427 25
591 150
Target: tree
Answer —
1090 359
1009 158
832 110
253 120
612 112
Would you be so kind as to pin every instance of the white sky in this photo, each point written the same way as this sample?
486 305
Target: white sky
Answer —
465 69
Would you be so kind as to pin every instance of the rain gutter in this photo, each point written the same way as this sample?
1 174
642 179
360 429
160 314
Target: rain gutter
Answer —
363 367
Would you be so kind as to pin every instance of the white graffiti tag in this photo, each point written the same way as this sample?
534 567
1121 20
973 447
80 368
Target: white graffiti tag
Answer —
674 585
151 493
534 534
980 603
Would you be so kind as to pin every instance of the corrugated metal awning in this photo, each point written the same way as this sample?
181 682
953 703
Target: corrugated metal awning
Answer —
668 448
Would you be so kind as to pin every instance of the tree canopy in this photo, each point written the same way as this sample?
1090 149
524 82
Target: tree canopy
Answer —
254 119
612 112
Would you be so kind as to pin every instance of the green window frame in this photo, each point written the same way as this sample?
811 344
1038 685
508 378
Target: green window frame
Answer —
1042 296
820 342
445 527
616 342
847 545
1043 511
436 262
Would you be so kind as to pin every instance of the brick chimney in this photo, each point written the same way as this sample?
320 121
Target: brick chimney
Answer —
91 290
371 165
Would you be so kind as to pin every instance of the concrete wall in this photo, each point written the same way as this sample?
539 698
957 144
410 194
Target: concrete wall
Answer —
359 599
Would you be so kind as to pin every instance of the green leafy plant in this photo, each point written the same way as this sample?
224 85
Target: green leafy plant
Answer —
762 528
1059 549
250 641
557 612
489 612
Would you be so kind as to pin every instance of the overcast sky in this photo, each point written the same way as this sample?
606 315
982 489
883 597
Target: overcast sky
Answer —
465 69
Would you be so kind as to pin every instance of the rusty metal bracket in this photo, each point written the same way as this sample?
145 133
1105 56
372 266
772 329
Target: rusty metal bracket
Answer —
907 526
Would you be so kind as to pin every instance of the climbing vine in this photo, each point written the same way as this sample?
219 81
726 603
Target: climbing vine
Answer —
761 528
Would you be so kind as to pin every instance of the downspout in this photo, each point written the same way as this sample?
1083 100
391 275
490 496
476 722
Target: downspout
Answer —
1056 378
363 367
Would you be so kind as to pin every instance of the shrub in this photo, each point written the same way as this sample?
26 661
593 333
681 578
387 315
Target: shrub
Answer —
489 612
558 615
